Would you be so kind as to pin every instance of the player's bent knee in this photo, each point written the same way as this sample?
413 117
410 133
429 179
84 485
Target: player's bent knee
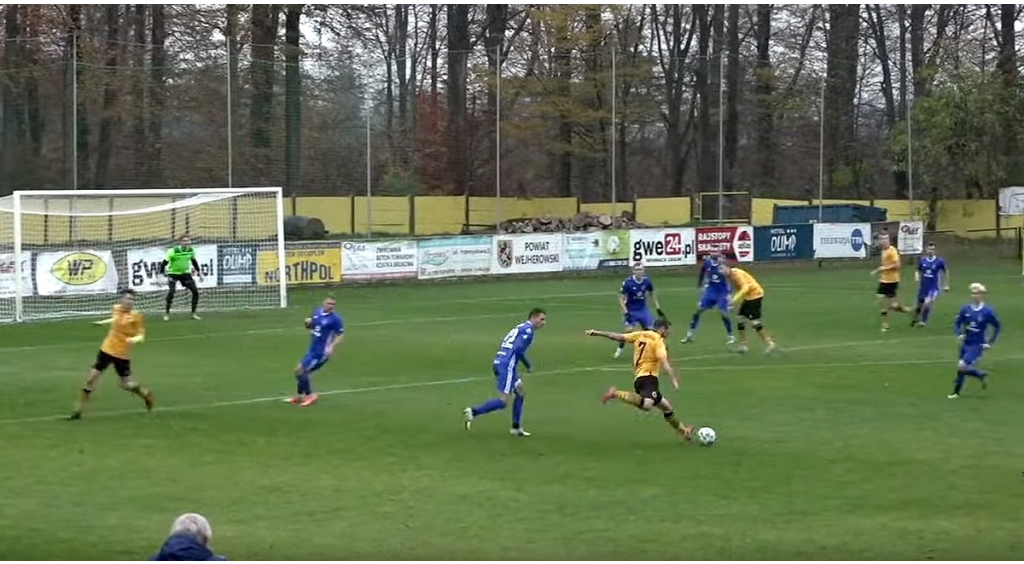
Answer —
741 326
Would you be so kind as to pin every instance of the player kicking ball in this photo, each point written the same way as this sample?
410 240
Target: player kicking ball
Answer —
326 330
505 366
650 357
179 268
749 296
932 278
633 301
127 328
971 328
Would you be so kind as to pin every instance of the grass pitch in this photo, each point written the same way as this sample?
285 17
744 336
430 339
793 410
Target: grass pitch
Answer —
841 446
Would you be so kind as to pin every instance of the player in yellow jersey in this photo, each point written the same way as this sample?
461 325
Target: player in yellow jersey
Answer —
650 357
126 329
888 281
748 294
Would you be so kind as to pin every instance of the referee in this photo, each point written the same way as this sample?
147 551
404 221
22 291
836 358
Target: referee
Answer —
179 266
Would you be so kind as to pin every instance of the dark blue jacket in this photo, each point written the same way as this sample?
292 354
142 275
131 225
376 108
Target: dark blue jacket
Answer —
185 548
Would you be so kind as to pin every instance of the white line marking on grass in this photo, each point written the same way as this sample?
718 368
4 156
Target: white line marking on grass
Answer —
433 383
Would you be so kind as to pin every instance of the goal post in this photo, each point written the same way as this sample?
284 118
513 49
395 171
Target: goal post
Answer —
67 253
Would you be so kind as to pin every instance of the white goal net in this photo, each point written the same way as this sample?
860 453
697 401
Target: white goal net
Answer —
67 253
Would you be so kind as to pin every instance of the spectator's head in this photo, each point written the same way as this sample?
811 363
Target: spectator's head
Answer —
193 525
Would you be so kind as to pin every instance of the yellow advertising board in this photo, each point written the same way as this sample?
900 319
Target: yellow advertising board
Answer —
317 263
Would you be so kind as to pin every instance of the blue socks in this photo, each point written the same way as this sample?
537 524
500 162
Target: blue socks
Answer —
961 377
728 325
517 411
959 383
488 406
695 321
303 385
926 311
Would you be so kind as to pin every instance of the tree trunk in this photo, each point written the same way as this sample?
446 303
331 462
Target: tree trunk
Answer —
231 32
82 122
703 87
435 12
158 62
292 99
562 66
263 25
458 56
732 94
108 118
494 44
13 116
402 70
1008 74
36 122
764 86
138 50
840 96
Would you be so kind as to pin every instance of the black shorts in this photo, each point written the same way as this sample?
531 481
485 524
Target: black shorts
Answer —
750 309
185 280
122 366
647 387
888 289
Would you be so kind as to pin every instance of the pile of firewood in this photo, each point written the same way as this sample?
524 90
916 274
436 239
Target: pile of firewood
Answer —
584 221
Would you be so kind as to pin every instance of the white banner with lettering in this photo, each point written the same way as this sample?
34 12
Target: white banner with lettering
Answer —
841 240
144 268
910 240
514 254
663 247
454 256
7 279
76 272
377 260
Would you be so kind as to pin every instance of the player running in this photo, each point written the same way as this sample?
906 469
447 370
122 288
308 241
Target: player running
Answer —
888 281
179 266
971 328
510 353
326 330
714 294
748 294
633 302
931 275
650 357
126 329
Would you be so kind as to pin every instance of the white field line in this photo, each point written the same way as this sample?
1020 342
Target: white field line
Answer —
433 383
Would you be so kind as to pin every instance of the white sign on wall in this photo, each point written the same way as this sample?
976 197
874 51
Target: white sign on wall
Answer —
76 272
387 259
663 247
7 279
841 240
911 237
514 254
454 256
144 268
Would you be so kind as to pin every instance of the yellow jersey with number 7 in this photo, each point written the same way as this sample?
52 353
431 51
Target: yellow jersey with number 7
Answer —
648 351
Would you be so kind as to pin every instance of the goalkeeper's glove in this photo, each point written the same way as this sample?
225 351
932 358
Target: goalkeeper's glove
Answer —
136 339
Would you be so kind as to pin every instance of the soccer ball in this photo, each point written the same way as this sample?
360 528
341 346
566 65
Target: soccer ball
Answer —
706 436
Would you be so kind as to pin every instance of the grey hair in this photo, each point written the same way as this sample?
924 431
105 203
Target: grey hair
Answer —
194 525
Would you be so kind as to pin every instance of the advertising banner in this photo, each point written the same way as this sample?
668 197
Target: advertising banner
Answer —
454 256
598 249
236 265
784 242
535 252
7 286
911 237
379 260
76 272
144 268
304 263
663 247
726 239
841 240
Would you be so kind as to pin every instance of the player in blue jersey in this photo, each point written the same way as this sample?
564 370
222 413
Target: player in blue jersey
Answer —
971 328
714 295
326 331
510 353
633 302
932 277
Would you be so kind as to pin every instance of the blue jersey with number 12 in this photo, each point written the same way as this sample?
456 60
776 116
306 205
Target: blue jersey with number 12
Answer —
324 327
513 347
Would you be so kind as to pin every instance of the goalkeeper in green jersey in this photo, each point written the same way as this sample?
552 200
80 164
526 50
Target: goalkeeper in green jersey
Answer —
179 267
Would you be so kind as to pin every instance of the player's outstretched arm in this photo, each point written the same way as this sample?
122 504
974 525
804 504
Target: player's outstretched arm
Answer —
607 335
663 359
106 321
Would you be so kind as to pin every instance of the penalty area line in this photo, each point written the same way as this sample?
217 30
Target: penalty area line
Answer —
447 382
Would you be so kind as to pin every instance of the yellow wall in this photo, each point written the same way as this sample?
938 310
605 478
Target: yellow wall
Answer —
390 214
607 209
663 211
335 212
439 215
899 210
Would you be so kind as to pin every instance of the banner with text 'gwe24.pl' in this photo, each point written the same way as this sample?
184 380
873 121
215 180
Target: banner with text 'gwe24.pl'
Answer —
674 246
